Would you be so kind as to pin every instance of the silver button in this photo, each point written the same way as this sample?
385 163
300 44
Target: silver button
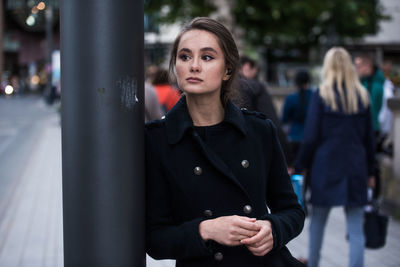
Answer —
218 256
197 170
245 163
247 209
243 108
208 213
163 117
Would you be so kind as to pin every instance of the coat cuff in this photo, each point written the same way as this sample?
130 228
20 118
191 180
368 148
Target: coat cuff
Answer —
274 225
192 233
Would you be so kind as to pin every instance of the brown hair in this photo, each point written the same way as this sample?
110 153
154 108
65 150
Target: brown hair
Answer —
228 47
160 77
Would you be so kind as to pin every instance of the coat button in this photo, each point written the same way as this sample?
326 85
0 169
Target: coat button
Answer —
247 209
208 213
245 163
197 170
218 256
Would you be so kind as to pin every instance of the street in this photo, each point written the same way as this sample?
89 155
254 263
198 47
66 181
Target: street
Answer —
31 201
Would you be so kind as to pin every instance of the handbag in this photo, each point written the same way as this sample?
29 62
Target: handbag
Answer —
375 226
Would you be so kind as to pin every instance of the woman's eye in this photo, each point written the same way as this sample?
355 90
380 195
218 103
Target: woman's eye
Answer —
184 57
207 58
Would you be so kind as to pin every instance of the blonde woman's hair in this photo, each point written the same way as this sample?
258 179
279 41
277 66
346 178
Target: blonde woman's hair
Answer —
339 70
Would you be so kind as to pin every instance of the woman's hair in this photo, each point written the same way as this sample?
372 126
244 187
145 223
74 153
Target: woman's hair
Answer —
228 47
338 71
302 78
160 77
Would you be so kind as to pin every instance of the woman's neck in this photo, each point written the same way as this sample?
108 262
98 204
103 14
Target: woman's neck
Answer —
205 110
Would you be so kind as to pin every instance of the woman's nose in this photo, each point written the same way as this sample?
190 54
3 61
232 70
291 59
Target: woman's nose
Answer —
195 66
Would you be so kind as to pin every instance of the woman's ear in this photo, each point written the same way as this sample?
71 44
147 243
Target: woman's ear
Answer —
227 74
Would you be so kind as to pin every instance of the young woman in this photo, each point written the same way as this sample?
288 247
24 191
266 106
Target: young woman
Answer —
218 190
338 151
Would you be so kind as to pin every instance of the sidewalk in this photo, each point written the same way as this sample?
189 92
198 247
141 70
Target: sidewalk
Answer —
31 224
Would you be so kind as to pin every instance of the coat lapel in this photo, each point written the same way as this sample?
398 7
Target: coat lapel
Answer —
178 122
216 161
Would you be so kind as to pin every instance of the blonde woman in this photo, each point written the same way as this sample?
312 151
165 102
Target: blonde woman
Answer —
338 152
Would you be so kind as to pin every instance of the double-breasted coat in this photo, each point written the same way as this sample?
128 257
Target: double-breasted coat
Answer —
187 181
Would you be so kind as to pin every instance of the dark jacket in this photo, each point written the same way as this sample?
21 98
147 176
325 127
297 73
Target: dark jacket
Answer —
294 113
187 182
338 150
254 96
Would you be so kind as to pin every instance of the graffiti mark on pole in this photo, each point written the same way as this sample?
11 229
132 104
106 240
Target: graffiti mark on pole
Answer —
128 88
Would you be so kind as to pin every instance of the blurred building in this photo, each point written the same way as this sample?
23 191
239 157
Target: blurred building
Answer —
30 36
386 43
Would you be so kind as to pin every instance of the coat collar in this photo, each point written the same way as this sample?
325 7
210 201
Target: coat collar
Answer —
178 120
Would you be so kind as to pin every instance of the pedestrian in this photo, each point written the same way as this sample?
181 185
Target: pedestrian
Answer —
338 153
152 108
217 187
248 68
295 109
373 80
167 95
253 95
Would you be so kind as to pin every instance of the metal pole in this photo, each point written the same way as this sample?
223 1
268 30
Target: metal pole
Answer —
102 48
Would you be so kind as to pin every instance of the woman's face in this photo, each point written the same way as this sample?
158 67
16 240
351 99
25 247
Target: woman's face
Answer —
200 63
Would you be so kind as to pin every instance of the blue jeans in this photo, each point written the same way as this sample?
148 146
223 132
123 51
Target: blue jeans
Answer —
354 221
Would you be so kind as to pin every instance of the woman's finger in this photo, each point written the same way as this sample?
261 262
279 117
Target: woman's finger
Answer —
259 244
262 250
245 233
255 239
246 224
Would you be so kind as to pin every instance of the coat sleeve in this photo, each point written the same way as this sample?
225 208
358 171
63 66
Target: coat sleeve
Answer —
287 216
166 239
312 134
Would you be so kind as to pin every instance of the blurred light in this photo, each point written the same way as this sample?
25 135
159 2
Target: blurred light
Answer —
35 10
30 21
9 90
35 80
41 6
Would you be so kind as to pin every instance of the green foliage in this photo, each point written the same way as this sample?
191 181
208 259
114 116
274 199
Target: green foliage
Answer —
276 22
177 10
308 22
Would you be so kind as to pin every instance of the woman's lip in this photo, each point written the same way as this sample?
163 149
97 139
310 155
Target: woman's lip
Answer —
194 80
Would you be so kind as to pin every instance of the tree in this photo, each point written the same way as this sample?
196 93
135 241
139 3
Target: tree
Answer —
171 11
277 22
307 22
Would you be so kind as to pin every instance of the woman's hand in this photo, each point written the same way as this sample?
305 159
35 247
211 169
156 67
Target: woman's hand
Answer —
263 241
229 230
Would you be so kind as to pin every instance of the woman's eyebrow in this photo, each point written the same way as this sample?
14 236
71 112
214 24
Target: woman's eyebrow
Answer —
204 49
185 50
209 49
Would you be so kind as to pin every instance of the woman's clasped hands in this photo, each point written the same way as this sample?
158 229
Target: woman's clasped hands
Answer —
235 230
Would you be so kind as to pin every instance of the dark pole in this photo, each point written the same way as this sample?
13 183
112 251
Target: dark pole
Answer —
102 132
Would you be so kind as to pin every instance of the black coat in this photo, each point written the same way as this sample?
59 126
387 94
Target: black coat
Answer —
254 96
179 196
